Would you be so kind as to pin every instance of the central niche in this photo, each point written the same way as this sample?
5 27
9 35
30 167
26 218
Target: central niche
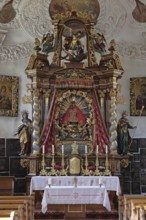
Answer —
74 41
74 116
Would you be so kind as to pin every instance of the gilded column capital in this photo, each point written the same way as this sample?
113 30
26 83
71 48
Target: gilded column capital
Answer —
36 93
47 93
102 93
113 93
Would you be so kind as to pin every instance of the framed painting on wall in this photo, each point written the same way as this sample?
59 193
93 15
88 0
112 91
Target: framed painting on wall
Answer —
138 96
9 95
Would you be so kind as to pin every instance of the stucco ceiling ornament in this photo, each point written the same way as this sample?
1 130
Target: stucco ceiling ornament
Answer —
3 34
136 51
133 20
15 52
8 14
114 20
34 17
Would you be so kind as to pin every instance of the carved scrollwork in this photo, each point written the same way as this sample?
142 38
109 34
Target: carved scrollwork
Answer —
124 163
24 163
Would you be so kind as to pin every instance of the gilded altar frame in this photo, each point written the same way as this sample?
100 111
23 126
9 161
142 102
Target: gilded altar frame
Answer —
9 95
138 96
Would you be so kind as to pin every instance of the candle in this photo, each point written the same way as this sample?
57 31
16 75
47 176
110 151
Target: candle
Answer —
49 181
85 149
100 181
97 149
62 149
52 149
106 149
43 149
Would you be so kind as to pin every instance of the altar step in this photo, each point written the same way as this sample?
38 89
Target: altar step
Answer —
90 215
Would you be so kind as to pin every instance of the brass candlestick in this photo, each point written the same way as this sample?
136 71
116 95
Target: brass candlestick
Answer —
43 171
97 172
53 171
86 172
107 172
63 171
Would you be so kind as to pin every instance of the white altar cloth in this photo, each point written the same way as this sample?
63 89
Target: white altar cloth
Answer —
75 195
111 183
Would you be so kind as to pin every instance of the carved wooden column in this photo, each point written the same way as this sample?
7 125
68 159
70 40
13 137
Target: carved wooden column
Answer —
36 122
113 119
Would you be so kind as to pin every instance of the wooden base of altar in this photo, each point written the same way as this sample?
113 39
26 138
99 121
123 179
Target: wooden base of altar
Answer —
72 212
75 210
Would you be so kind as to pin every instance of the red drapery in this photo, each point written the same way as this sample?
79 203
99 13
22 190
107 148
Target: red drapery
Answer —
47 136
102 138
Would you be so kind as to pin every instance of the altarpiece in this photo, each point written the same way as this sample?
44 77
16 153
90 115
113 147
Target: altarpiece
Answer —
74 94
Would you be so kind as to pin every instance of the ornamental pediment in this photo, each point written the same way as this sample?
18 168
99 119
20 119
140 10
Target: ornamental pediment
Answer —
74 73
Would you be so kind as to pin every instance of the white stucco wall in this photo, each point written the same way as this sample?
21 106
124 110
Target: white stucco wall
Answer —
32 21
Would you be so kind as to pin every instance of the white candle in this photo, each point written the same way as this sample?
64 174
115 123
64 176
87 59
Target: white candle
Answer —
49 181
106 149
43 149
62 149
97 149
100 181
52 149
85 149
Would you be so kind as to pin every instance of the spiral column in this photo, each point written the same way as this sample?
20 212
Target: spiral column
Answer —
113 120
36 122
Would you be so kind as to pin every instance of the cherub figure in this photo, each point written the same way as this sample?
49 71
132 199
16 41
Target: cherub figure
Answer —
47 42
99 42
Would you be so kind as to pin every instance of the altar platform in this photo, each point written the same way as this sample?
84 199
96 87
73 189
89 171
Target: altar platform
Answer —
104 189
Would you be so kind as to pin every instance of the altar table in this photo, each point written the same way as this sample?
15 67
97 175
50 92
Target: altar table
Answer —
75 195
111 183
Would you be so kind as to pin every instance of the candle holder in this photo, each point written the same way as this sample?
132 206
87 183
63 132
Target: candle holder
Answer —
53 171
43 171
75 181
86 171
63 171
97 172
107 172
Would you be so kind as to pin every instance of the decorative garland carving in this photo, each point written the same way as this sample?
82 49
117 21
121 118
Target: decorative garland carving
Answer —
82 101
15 52
31 19
136 51
114 21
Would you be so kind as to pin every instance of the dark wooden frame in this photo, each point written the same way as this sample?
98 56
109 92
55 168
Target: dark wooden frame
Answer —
10 84
138 96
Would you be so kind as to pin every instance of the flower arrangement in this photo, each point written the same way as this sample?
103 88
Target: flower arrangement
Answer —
58 167
92 167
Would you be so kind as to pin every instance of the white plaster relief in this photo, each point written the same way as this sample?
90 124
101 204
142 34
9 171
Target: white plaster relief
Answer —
14 24
134 51
115 19
34 17
16 52
3 34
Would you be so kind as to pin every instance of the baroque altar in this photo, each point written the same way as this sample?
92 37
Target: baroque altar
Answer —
74 94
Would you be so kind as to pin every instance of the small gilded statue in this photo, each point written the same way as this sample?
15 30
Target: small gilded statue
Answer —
74 148
24 132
